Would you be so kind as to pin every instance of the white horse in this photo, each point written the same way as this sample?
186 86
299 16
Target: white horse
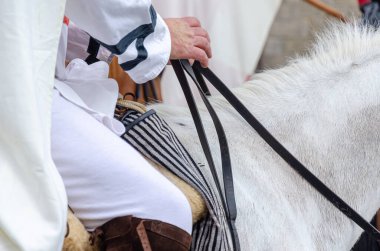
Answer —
325 109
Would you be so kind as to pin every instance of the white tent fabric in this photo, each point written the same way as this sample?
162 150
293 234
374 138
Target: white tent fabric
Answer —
32 197
238 31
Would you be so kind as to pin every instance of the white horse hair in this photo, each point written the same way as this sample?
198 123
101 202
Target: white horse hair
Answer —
325 109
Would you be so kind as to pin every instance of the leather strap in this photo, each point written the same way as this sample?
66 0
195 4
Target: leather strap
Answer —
285 154
143 236
93 49
228 197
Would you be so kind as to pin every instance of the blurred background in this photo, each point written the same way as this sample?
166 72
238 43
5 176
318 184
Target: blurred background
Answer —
294 26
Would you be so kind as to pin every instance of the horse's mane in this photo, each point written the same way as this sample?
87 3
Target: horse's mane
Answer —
336 50
333 58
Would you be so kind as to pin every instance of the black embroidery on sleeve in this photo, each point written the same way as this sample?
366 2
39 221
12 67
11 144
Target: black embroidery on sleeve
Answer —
139 34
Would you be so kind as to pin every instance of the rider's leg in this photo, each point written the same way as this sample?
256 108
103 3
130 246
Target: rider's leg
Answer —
106 178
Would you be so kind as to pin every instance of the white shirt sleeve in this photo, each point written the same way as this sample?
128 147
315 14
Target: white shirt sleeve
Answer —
132 30
81 45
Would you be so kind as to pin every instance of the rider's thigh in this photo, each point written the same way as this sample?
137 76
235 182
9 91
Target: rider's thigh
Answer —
105 177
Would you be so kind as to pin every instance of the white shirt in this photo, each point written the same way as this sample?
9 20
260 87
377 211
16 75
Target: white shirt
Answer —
130 29
88 86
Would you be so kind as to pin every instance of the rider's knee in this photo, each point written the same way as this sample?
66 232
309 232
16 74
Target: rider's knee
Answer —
174 207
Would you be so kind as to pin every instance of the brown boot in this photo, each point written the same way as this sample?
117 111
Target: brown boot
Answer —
134 234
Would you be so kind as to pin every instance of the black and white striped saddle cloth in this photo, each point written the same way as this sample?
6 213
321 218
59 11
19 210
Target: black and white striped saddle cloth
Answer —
153 138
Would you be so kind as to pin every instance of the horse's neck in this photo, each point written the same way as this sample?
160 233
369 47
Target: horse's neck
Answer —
325 110
318 108
328 117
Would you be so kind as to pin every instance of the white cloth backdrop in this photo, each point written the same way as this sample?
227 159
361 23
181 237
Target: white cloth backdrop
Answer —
32 197
238 31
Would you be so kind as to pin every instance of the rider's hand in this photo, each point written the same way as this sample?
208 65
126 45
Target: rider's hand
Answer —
189 40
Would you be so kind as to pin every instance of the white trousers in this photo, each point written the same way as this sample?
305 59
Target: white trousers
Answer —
105 177
32 197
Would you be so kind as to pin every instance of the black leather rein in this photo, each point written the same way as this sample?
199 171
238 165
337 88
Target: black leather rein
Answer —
196 72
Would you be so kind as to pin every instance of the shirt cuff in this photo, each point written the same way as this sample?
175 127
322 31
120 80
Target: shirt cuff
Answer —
158 46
